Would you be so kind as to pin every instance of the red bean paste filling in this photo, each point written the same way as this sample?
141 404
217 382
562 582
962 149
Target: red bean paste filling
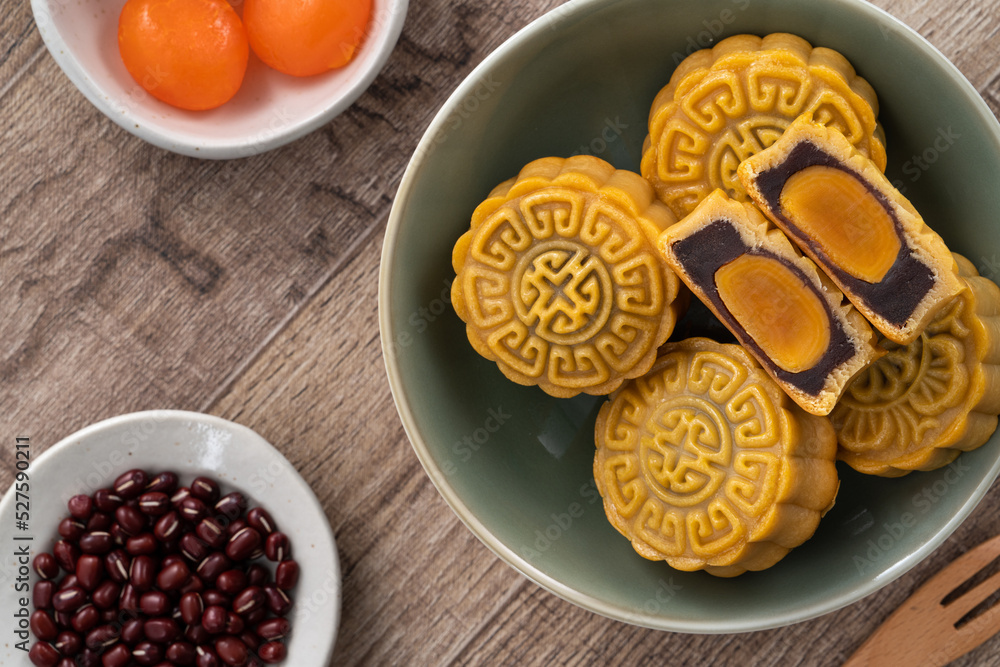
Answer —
908 280
718 243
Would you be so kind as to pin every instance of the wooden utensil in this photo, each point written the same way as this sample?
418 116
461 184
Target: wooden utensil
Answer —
923 632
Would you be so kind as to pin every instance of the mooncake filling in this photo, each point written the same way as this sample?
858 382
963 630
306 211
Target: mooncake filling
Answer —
777 309
846 221
902 287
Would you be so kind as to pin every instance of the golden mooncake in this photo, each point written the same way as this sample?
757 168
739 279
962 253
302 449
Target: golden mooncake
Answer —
774 300
559 281
726 103
839 208
705 463
922 404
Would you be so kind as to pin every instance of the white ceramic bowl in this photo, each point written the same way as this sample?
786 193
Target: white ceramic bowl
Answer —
189 444
270 109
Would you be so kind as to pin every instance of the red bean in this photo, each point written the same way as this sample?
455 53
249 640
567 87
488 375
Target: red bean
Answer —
41 595
193 509
106 594
249 599
131 520
148 653
154 503
89 571
277 547
193 548
231 582
215 596
99 521
182 653
231 651
106 501
142 575
234 623
277 600
162 630
131 484
212 532
109 615
43 655
168 527
173 576
250 638
214 620
67 582
179 496
69 643
272 652
129 599
69 599
165 482
255 616
154 603
102 636
258 575
205 489
235 527
117 656
118 534
86 618
81 506
88 658
286 575
231 505
243 544
46 566
117 564
70 529
142 545
273 628
133 630
214 564
96 542
66 555
66 662
259 519
43 625
64 619
207 657
193 585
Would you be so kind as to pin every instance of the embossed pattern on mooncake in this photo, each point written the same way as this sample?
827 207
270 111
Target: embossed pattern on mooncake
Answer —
726 103
922 404
558 279
705 463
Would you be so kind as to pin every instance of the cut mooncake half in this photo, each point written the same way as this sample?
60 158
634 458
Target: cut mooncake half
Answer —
839 208
726 103
774 300
922 404
558 278
705 463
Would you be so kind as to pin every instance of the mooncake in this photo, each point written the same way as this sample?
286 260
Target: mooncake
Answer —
726 103
559 281
839 208
922 404
774 300
705 463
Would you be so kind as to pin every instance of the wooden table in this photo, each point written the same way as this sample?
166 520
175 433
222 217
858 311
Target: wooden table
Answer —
132 278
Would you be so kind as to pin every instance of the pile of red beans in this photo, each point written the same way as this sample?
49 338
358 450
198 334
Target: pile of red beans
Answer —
161 574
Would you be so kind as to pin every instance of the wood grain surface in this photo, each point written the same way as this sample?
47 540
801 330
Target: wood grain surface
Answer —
132 278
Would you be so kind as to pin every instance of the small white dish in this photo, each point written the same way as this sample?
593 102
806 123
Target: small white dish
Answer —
189 444
270 109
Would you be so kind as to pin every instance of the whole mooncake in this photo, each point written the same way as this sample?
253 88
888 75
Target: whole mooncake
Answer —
559 281
922 404
842 211
726 103
705 463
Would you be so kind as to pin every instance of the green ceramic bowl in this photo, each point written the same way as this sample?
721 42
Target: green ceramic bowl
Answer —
514 463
